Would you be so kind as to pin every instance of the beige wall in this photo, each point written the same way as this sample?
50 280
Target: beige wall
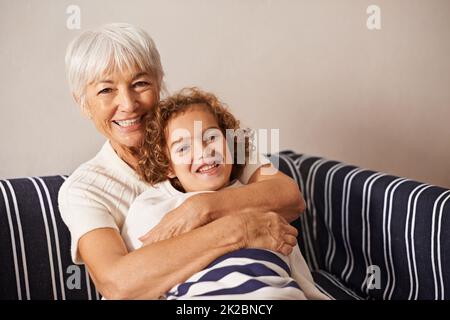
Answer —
378 99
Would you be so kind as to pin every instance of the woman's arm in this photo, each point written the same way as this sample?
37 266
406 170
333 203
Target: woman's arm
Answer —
152 270
276 192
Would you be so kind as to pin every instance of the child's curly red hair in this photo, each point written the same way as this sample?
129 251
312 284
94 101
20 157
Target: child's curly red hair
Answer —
154 159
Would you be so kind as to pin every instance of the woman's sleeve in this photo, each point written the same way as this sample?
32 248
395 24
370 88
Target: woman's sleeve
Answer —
82 212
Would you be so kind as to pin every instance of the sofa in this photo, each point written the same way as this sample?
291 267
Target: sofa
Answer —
364 234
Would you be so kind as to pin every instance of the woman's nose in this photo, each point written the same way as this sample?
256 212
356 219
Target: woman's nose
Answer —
126 101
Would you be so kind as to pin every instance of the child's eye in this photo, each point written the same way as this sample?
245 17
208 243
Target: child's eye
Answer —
211 138
182 149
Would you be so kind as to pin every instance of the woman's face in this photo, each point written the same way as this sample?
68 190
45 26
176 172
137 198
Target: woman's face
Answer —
199 156
117 104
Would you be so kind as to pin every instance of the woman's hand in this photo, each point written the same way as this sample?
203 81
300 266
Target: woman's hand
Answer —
268 230
186 217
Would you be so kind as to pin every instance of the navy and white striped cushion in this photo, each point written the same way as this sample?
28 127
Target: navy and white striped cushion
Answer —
35 260
333 287
357 218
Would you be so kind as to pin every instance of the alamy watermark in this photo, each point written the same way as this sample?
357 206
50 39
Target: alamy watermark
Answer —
374 19
73 21
372 280
73 281
373 277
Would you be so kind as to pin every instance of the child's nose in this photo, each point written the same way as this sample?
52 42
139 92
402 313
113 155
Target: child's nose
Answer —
209 156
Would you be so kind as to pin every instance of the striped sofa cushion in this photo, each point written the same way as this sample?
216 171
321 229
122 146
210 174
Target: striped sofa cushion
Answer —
35 260
333 287
381 236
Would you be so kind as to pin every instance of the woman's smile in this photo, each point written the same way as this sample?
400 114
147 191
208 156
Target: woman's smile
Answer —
128 125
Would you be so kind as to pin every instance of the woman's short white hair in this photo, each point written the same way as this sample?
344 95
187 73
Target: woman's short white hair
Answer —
113 47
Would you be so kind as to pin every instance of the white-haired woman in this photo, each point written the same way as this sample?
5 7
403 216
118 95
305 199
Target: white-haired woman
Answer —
115 75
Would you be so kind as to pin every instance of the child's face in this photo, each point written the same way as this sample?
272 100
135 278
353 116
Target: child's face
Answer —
199 156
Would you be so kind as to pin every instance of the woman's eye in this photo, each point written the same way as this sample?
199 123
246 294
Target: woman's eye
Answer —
141 84
105 91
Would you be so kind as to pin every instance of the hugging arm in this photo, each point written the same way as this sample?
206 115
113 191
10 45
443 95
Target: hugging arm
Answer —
263 193
152 270
276 192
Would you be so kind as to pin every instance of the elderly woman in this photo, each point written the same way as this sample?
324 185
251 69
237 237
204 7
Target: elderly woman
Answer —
116 77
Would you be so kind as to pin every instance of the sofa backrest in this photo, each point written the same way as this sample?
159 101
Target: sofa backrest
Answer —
384 237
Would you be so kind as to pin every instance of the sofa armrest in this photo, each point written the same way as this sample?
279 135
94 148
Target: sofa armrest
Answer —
35 260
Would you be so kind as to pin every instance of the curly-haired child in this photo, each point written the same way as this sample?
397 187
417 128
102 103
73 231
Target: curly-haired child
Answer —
185 151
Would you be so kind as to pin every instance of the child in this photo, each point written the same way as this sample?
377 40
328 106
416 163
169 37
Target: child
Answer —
184 153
